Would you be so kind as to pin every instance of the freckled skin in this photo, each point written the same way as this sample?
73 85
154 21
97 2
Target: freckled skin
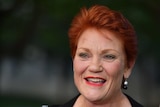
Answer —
96 49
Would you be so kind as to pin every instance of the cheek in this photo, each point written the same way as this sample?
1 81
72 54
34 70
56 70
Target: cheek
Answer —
115 73
115 69
79 66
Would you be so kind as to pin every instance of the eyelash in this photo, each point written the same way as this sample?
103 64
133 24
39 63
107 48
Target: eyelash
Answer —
83 55
110 57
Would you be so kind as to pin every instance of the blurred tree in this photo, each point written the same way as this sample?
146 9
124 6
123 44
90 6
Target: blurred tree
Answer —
45 23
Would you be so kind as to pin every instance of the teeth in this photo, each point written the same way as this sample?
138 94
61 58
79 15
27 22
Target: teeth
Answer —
96 80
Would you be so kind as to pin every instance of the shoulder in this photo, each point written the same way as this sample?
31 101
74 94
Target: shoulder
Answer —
49 105
133 102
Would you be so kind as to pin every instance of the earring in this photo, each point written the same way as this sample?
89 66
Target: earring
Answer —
125 84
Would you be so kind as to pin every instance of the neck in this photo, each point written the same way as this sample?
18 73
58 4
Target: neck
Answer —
119 100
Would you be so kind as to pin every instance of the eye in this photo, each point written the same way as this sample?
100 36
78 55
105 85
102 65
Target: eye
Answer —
109 57
83 55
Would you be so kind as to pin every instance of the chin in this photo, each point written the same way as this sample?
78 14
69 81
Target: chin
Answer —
93 97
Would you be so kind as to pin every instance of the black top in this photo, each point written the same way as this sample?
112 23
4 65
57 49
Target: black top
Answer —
71 102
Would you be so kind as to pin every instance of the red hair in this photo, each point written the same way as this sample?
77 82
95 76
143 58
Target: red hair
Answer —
101 17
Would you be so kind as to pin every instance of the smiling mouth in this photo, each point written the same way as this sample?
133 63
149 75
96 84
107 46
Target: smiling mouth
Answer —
95 81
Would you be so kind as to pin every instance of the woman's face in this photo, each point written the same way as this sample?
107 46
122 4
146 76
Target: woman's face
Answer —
99 65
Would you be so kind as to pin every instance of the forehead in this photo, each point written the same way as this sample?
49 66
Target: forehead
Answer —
98 36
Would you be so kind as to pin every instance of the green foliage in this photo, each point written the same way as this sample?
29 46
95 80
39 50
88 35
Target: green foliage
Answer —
46 22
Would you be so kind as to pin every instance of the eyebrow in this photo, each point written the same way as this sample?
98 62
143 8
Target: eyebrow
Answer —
107 50
103 51
84 49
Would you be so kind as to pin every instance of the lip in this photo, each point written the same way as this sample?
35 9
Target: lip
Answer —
95 81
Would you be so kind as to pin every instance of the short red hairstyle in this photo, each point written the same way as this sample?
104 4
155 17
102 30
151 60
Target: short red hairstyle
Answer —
101 17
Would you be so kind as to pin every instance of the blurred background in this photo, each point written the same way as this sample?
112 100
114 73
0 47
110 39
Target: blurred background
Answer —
35 62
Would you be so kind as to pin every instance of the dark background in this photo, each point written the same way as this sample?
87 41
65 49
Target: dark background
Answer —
35 62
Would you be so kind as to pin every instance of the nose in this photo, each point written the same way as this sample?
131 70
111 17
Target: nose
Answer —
95 66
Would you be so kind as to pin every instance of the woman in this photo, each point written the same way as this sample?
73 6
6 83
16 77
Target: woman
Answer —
104 49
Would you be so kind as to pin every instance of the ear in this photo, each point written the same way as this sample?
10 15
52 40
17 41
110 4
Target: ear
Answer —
128 69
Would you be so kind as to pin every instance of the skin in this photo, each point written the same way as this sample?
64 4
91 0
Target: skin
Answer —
99 66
